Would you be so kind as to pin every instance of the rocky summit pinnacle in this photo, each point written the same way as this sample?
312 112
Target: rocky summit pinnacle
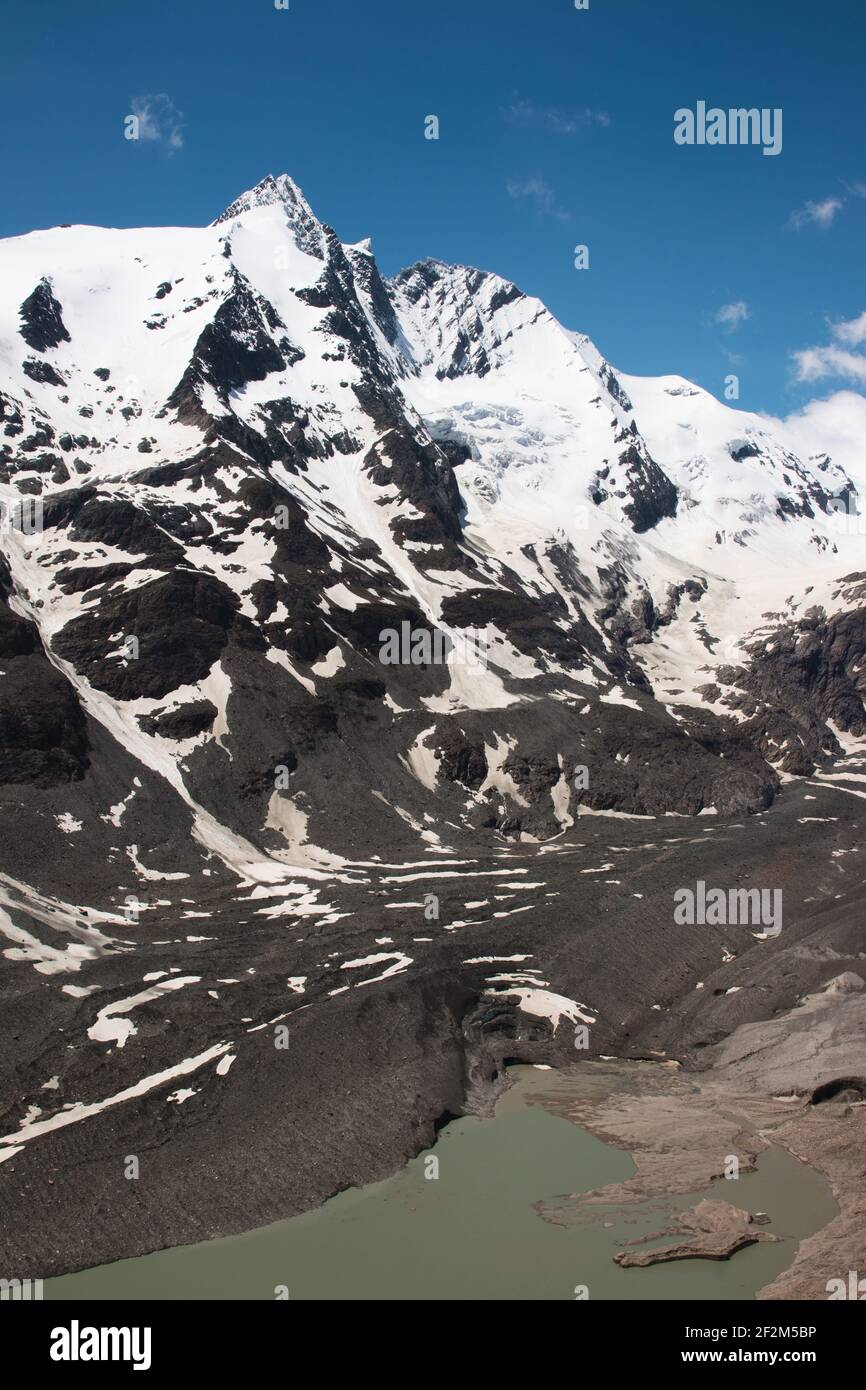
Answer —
267 191
280 193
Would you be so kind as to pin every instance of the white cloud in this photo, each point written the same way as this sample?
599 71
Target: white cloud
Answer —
836 358
834 426
539 193
817 214
730 316
526 113
158 120
815 363
852 332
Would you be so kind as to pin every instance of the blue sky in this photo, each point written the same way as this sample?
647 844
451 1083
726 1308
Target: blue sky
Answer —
556 129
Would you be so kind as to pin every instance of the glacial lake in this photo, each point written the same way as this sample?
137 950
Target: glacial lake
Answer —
473 1232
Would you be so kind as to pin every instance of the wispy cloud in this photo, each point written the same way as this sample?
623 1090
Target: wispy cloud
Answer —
553 118
820 214
538 194
838 357
851 331
159 122
736 359
730 316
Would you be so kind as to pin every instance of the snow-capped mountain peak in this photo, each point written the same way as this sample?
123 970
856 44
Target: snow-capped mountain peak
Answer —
280 191
254 455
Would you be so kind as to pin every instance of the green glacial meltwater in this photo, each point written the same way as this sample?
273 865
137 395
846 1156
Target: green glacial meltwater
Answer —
466 1227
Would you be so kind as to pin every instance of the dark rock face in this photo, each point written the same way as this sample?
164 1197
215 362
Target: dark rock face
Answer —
743 450
42 325
370 283
426 481
43 373
113 522
461 760
178 624
233 349
532 624
43 738
698 769
653 495
645 491
185 722
79 579
615 387
807 676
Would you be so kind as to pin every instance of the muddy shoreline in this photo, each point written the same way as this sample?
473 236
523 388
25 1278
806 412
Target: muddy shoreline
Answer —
681 1131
